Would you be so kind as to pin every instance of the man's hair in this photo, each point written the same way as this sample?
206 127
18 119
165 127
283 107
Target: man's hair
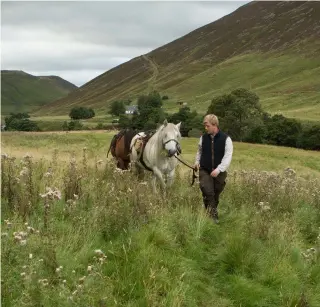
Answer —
211 119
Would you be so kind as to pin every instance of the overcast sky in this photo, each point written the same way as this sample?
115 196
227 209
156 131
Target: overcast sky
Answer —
81 40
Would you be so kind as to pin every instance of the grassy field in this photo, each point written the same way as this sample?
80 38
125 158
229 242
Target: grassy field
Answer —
246 156
77 232
55 123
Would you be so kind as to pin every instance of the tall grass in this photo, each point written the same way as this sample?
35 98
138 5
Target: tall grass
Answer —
77 234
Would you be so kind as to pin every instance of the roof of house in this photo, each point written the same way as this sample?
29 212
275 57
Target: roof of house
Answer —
131 108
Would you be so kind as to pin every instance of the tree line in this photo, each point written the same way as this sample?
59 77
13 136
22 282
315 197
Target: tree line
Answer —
240 115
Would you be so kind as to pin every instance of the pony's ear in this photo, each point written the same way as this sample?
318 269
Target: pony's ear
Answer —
165 122
178 126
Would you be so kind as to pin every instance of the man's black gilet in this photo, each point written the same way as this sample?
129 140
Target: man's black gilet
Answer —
219 143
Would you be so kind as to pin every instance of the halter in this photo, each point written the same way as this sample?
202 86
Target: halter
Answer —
177 145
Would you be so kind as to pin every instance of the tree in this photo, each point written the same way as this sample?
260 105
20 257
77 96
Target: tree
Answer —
239 112
309 137
20 122
187 119
117 108
282 131
81 113
150 112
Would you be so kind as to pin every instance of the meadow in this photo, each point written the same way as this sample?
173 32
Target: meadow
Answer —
78 232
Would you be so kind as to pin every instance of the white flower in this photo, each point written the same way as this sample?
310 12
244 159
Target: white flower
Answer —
99 252
23 242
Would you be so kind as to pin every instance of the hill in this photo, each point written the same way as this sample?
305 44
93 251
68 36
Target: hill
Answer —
22 92
270 47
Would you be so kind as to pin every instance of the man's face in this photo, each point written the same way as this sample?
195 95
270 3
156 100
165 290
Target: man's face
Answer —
211 129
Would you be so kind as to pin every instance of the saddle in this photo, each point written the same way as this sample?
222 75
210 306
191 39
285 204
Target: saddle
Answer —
140 145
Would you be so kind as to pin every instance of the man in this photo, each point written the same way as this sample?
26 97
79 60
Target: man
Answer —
213 158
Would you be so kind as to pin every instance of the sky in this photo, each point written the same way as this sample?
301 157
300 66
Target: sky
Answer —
79 40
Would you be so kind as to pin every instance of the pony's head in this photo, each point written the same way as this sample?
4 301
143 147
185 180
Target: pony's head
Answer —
170 137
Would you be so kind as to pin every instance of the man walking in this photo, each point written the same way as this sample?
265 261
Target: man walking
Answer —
213 158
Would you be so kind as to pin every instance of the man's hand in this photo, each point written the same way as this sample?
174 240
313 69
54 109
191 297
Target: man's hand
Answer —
215 173
196 167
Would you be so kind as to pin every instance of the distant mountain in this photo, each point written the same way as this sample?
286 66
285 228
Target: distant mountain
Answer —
272 48
22 92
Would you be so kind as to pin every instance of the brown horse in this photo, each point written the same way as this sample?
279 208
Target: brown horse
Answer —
120 147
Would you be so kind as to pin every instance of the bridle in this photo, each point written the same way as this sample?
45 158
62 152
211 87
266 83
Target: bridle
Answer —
177 145
194 176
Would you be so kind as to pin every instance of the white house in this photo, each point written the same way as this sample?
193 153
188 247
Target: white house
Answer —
131 109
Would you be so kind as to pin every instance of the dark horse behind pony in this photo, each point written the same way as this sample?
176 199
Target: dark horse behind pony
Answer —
120 147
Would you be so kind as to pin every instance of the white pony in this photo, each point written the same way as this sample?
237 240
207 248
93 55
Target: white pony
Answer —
158 154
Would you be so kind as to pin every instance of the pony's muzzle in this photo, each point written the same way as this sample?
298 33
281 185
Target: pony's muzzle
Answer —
171 152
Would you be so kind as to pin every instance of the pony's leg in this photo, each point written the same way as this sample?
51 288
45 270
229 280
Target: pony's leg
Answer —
170 178
140 173
158 174
126 164
121 164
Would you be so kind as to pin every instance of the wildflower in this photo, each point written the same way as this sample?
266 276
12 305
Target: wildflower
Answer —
30 229
44 282
23 274
8 223
99 252
23 242
81 280
27 156
23 234
30 256
17 238
24 172
89 269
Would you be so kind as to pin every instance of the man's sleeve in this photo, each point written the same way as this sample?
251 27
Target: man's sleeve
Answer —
226 160
198 154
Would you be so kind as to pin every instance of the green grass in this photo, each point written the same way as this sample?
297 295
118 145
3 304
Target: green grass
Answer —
156 251
55 123
246 156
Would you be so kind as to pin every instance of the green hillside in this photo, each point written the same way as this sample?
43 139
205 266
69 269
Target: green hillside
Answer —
271 48
22 92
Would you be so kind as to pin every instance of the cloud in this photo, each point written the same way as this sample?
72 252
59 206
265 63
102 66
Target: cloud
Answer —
81 39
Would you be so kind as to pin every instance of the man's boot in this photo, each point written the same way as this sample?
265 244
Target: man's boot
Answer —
213 214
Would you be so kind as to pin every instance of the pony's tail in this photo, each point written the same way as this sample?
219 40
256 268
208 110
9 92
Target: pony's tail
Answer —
111 144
